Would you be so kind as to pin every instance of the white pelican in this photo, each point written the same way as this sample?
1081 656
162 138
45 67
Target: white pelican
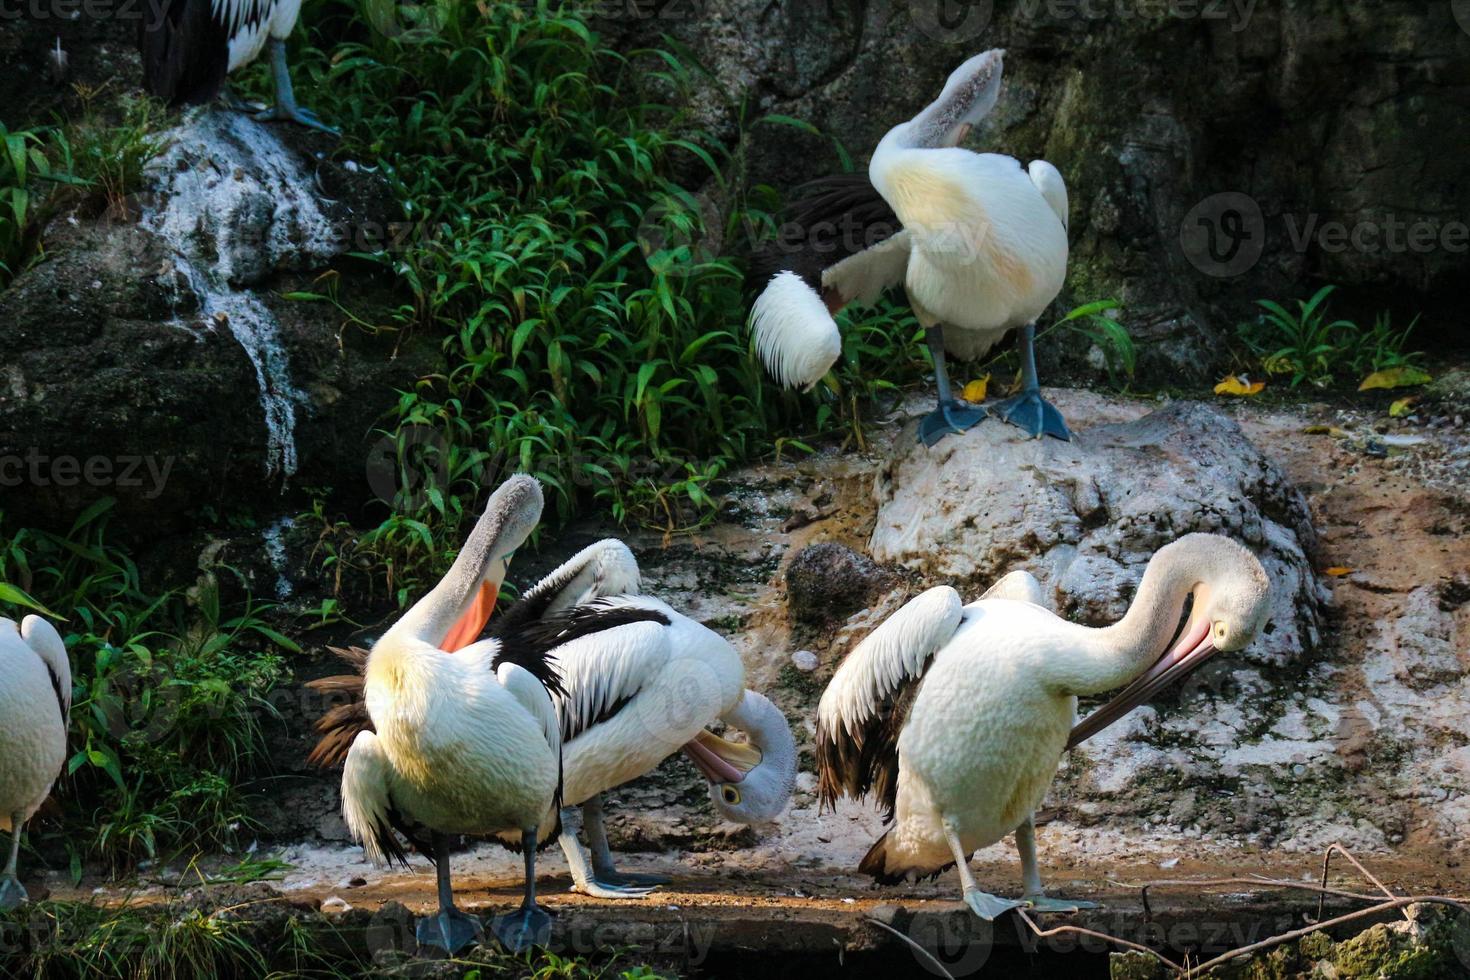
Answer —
189 46
955 716
35 710
633 693
982 251
460 745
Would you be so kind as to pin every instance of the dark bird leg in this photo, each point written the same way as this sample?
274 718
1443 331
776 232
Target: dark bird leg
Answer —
286 108
12 893
529 925
950 416
1029 410
451 930
602 859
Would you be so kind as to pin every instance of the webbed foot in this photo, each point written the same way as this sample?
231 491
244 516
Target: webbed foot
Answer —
451 930
523 928
12 893
987 906
1035 414
599 888
949 417
295 114
1041 903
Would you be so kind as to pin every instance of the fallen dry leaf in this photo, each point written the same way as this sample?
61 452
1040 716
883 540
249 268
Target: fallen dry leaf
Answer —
1238 385
1325 430
974 392
1399 377
1402 407
1338 571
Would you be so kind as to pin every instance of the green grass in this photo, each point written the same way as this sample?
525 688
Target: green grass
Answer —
169 695
1308 345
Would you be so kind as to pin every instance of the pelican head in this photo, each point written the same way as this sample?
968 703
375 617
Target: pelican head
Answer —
969 95
749 782
456 610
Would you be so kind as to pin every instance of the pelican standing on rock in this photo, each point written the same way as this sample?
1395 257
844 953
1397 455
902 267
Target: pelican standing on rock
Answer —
956 716
460 745
982 251
189 46
642 685
35 711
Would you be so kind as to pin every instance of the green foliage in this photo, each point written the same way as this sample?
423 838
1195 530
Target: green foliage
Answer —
168 694
25 164
1310 347
1096 322
108 155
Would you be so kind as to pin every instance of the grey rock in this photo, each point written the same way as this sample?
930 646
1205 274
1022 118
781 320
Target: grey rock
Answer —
827 582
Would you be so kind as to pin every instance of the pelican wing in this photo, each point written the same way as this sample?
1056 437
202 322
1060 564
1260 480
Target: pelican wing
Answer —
42 637
533 695
606 568
866 703
367 803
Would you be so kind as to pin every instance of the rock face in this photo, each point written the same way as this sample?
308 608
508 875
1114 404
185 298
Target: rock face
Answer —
1086 516
828 582
158 350
1280 129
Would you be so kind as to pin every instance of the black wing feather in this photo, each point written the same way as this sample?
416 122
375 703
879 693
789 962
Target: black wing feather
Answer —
828 220
186 51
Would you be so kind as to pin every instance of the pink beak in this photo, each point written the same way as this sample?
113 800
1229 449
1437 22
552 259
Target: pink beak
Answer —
1184 657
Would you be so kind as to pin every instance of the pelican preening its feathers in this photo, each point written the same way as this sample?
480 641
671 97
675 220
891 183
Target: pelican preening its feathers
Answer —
189 46
955 716
982 250
35 710
633 682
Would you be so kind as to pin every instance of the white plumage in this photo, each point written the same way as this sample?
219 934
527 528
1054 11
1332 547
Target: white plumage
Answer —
35 711
956 717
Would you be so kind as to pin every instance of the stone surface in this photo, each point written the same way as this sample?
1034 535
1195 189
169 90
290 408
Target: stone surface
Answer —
828 582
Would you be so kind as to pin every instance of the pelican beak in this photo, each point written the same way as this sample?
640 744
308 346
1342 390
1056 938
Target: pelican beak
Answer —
1192 649
468 627
720 760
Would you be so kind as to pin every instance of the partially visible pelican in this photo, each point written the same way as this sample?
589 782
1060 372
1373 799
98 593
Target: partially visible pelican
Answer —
35 710
189 46
956 716
982 251
631 696
460 745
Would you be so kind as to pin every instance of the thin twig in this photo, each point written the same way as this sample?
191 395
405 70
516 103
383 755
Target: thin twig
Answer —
1078 930
917 948
1327 862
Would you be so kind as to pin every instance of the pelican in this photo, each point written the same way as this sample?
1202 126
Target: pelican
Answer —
189 46
632 694
460 745
982 251
955 716
35 710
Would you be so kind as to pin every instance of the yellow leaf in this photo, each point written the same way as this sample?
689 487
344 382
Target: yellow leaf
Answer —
1399 377
1338 571
1325 430
1401 407
974 392
1236 385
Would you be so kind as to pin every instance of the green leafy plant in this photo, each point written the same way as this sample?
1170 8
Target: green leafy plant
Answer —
24 167
1305 343
1384 347
169 694
1097 323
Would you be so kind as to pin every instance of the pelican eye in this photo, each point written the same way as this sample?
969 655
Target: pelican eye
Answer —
1219 631
730 795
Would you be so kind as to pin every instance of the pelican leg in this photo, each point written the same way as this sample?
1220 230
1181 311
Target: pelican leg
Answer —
529 925
951 415
451 930
1034 898
12 894
983 904
286 109
602 859
1028 409
584 878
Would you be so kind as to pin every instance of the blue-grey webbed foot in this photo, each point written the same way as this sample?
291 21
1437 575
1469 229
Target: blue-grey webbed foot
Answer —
1041 903
525 927
950 417
451 930
1037 416
989 907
